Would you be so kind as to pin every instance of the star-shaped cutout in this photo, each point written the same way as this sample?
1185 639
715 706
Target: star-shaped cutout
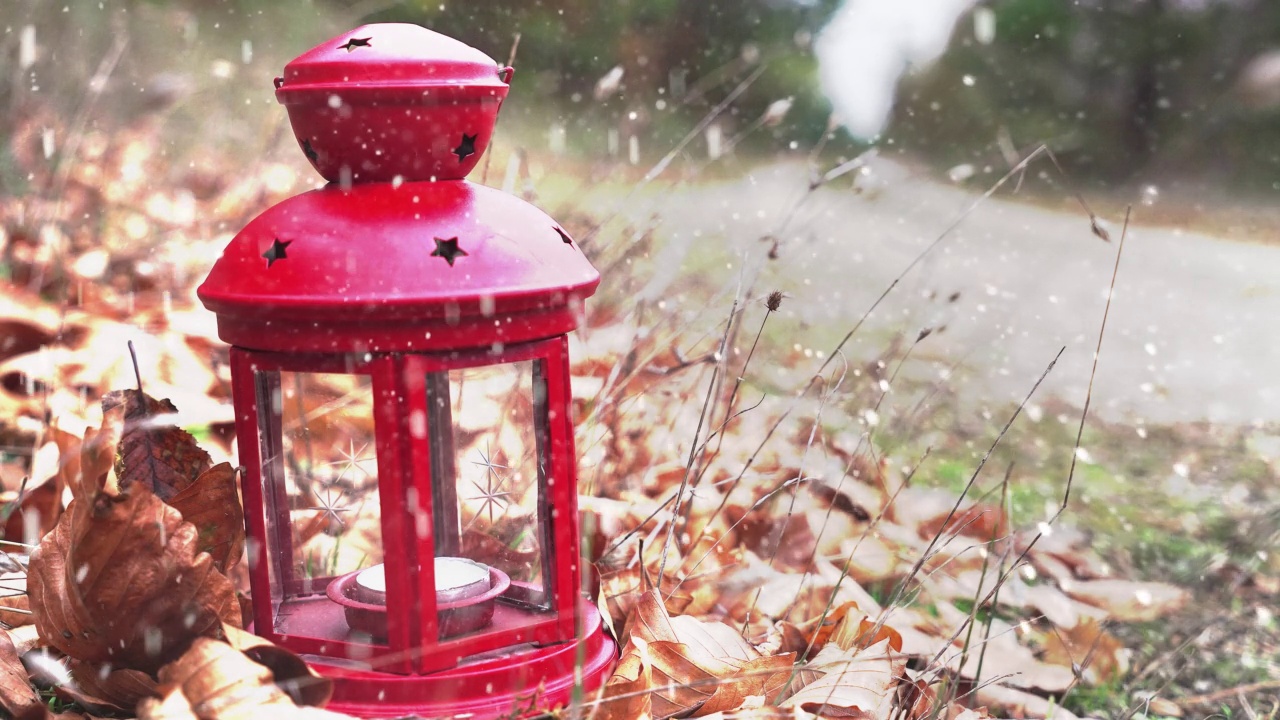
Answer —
354 43
564 236
309 151
466 148
491 494
448 249
276 251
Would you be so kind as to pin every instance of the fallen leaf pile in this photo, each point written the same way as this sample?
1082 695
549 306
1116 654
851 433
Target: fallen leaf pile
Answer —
779 539
130 595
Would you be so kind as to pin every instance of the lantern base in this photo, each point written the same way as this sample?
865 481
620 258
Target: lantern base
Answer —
523 684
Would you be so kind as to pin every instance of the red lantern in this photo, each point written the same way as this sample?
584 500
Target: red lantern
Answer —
402 397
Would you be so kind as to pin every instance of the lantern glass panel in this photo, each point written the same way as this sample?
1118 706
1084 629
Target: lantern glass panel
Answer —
490 465
320 483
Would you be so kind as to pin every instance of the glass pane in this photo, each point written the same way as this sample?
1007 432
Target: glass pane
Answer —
489 482
320 480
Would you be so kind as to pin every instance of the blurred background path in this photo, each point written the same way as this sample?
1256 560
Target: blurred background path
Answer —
1191 336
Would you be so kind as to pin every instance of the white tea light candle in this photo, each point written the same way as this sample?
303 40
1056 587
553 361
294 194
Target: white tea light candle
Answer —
459 579
456 579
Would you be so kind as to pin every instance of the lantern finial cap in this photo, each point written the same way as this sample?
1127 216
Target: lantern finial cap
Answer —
393 100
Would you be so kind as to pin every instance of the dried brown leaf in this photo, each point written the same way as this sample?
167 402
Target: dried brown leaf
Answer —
37 509
916 698
626 694
1018 703
679 686
214 681
88 475
784 637
17 697
15 606
854 633
649 620
24 638
119 580
984 521
861 684
817 632
100 689
212 505
1130 600
712 639
152 451
695 667
999 654
296 678
1099 655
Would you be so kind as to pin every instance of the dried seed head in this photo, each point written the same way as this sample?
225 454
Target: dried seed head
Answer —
774 301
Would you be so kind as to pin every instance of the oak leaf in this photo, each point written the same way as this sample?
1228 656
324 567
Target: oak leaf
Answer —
120 580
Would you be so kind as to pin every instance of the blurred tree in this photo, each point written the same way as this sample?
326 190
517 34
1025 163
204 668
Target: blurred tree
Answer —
687 54
1124 89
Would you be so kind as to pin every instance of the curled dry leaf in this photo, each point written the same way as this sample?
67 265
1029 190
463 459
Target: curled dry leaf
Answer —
100 689
15 605
626 693
215 681
119 580
1018 703
688 667
1130 600
212 505
983 521
24 639
855 631
97 453
1100 656
152 451
289 672
17 697
857 684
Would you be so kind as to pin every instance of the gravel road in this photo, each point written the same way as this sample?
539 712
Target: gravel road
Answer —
1194 330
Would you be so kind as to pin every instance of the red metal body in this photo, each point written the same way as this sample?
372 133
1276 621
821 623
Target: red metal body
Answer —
426 320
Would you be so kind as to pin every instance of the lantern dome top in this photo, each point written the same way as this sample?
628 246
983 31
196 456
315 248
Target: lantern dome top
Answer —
390 55
393 100
383 267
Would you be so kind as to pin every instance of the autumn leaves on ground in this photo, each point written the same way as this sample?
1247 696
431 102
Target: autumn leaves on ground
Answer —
781 568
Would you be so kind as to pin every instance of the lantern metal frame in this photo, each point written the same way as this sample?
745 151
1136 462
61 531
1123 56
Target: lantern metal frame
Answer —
405 481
